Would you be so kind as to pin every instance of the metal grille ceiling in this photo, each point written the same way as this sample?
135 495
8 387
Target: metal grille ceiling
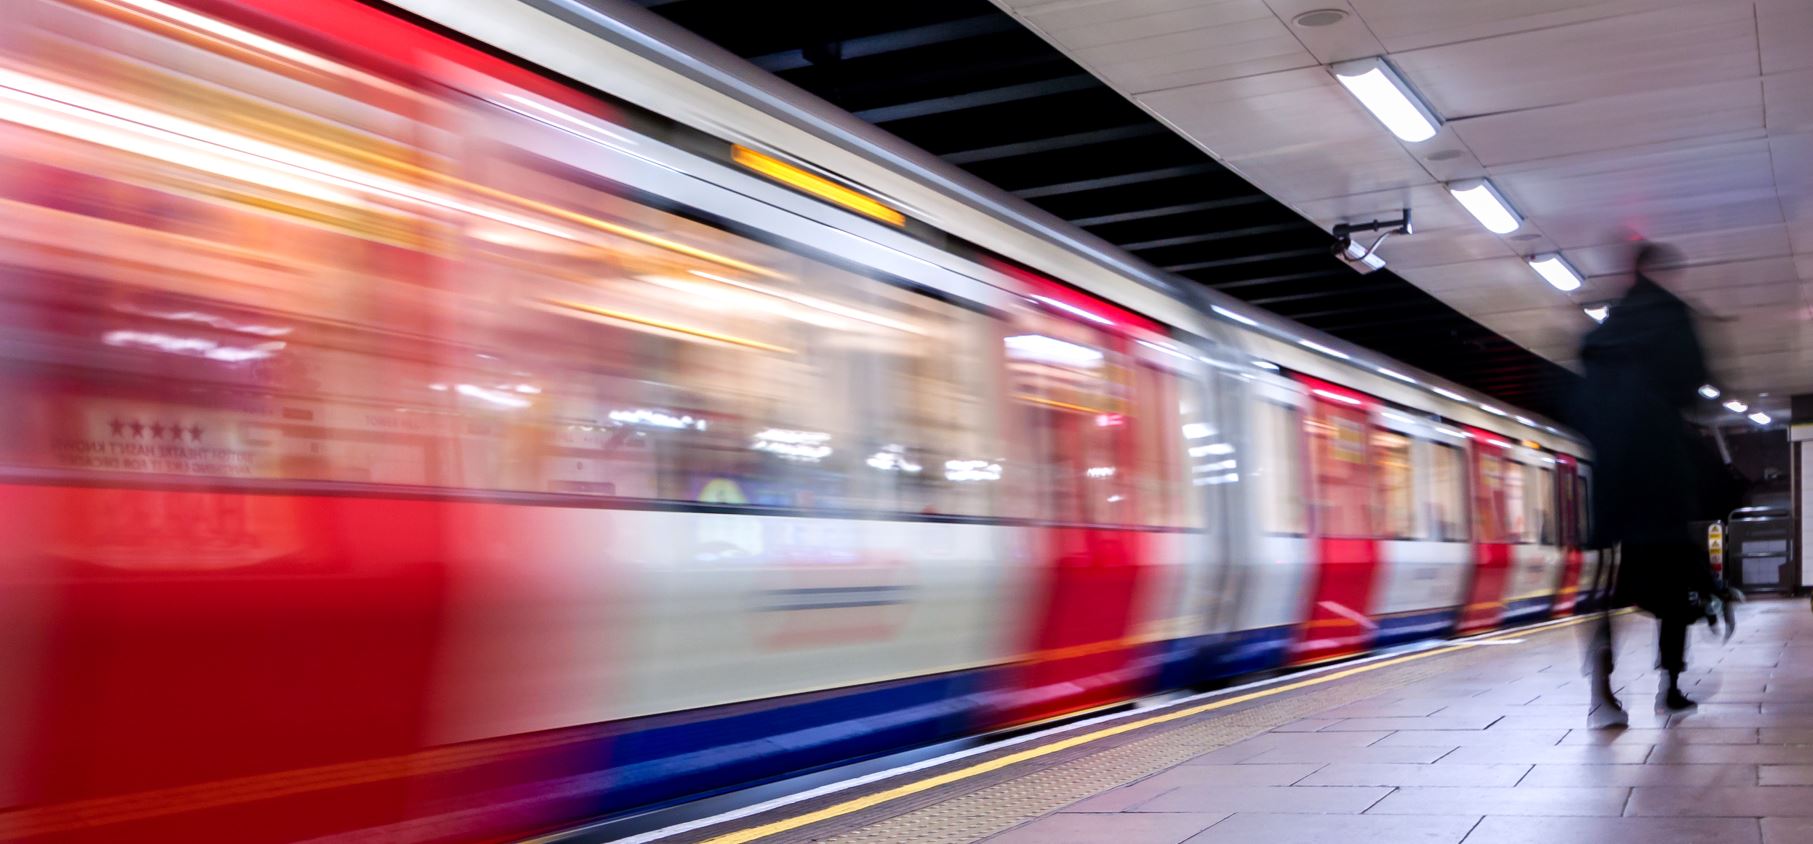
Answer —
964 81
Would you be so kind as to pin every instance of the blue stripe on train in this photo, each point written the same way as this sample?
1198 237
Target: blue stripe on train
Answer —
1414 627
664 757
1527 609
1249 651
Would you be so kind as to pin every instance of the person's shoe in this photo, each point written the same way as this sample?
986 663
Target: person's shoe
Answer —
1672 701
1607 716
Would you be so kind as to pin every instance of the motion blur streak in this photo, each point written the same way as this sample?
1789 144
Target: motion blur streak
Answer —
401 444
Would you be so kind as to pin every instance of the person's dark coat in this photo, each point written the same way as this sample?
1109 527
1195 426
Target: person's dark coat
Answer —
1643 365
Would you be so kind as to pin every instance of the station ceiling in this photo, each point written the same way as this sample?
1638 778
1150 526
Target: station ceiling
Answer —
970 83
1684 121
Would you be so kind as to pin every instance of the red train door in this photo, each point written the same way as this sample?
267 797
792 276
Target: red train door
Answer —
1346 550
1073 430
1491 549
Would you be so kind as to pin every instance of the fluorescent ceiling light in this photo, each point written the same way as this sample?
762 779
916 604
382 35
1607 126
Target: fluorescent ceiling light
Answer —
1526 420
1597 312
1358 252
1392 373
1265 365
1333 396
1760 418
1556 272
1383 92
1486 205
1493 410
1311 344
1241 318
1736 406
1448 394
1709 391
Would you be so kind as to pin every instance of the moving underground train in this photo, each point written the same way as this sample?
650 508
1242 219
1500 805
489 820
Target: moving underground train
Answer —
459 419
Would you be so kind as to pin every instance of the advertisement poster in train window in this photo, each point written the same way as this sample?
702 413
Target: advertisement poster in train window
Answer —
1343 478
1489 498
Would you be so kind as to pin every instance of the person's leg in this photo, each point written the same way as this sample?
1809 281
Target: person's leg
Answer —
1672 647
1604 711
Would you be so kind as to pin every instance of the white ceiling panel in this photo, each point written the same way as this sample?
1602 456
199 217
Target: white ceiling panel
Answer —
1689 121
1786 30
1659 191
1648 117
1253 124
1412 24
1789 98
1148 45
1732 256
1348 39
1668 48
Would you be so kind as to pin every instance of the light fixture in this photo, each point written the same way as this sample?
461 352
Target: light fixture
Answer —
1311 344
1383 92
1736 406
1493 410
1265 365
1526 421
1760 418
1486 205
1448 394
1709 391
1597 312
1392 373
1556 272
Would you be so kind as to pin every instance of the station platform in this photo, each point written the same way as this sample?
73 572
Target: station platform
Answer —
1481 741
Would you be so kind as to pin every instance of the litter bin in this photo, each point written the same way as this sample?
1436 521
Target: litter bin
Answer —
1759 549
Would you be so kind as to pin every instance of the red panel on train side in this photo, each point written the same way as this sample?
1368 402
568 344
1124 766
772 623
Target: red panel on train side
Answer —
1081 656
1338 624
1347 554
1491 553
1485 605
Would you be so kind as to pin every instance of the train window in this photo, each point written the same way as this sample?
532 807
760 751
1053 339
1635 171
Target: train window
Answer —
1397 495
1162 476
1542 516
1489 498
1067 382
1343 484
1515 508
712 367
1277 470
1448 492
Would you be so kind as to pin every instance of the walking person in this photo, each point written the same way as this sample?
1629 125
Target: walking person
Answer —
1643 366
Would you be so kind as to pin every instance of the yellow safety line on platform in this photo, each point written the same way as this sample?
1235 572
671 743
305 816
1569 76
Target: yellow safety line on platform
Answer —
866 801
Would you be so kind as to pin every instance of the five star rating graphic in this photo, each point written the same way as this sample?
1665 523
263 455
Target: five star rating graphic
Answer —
157 429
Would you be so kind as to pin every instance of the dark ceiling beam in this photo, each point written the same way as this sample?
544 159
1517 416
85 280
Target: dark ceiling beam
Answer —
893 42
1071 141
1268 301
1118 180
975 99
1246 259
1207 237
1272 279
